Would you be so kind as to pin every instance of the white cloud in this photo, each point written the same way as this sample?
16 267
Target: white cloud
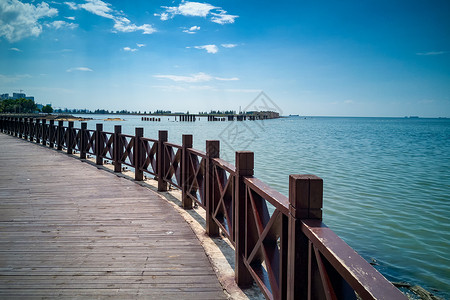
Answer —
122 24
83 69
105 10
432 53
226 79
61 24
223 18
15 49
209 48
129 49
99 8
20 20
70 18
189 9
199 77
162 16
72 5
140 45
229 45
192 30
197 9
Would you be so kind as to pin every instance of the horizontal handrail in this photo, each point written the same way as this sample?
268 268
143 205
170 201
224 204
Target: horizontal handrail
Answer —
362 277
274 197
224 165
197 152
148 140
172 145
126 135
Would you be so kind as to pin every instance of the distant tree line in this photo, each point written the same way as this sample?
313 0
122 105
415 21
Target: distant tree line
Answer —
125 112
162 112
218 112
22 105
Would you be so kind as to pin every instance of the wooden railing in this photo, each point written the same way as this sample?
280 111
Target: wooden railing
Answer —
280 242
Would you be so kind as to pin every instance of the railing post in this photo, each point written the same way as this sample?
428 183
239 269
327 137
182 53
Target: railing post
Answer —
138 151
118 148
16 126
19 127
212 151
99 144
10 127
83 141
244 167
186 201
37 131
44 132
59 135
162 164
25 128
305 202
51 132
31 132
22 128
69 137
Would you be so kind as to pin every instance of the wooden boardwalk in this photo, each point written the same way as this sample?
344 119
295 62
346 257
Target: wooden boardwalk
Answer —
69 230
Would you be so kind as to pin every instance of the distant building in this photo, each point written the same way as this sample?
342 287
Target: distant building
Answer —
18 95
262 115
15 96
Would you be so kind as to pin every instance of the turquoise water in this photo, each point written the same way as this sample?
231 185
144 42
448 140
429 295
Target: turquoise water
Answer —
386 180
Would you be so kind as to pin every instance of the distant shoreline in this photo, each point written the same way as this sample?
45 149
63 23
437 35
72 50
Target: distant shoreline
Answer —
71 117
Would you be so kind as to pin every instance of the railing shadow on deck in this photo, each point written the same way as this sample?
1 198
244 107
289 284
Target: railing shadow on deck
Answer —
280 242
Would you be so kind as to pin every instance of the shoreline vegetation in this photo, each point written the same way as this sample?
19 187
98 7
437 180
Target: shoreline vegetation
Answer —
59 117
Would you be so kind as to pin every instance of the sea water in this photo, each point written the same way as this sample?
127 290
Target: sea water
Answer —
386 180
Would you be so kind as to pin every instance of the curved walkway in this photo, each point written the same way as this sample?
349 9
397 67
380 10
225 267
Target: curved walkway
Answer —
69 230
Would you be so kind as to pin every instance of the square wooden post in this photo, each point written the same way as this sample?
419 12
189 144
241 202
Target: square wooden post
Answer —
31 136
83 140
20 127
59 135
212 151
44 132
305 202
118 148
16 126
162 164
244 167
37 131
186 201
138 154
51 132
99 144
69 137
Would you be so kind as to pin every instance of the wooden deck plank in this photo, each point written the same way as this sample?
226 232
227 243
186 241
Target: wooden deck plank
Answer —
68 229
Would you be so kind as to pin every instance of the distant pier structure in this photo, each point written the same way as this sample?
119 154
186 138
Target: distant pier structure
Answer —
250 115
153 119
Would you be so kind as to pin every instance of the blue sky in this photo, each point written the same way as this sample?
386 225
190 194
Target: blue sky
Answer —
322 58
